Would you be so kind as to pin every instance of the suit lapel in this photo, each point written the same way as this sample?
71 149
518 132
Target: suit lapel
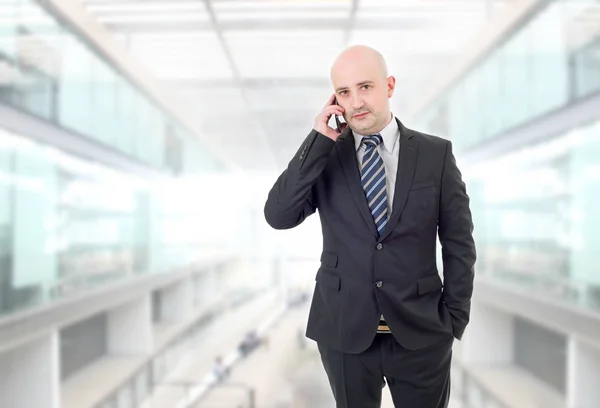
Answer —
347 156
406 169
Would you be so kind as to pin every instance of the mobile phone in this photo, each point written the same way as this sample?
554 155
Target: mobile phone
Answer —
338 124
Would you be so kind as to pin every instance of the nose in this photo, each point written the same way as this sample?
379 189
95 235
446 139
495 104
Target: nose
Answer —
356 102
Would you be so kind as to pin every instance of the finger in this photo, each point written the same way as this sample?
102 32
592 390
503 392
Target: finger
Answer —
330 101
330 110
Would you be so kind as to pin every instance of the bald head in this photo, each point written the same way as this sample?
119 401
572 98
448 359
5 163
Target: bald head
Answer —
362 87
361 54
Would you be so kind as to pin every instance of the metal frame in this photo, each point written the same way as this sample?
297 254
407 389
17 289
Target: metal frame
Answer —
288 24
24 124
551 124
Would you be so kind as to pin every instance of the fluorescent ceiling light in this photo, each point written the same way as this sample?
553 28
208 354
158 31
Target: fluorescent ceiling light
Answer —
323 37
175 36
421 14
264 5
156 18
284 15
433 4
175 44
195 5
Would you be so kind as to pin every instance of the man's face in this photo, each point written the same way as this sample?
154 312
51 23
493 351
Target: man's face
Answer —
363 91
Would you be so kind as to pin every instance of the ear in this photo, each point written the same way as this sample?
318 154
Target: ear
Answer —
391 85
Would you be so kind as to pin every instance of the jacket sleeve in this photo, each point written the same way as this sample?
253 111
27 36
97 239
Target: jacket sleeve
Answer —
455 231
291 200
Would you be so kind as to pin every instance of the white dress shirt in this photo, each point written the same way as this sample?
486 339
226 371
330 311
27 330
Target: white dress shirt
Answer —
389 151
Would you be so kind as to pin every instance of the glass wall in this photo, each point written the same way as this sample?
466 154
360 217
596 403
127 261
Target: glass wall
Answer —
550 61
47 70
67 225
535 209
536 217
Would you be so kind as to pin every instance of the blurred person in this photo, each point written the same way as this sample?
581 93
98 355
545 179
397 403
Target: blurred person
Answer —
384 192
251 342
220 370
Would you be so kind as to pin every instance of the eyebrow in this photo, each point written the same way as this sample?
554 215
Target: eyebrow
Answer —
341 88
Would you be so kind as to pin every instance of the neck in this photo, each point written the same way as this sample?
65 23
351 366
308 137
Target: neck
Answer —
387 122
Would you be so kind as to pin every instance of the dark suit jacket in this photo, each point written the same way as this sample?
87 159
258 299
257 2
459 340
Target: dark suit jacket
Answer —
363 275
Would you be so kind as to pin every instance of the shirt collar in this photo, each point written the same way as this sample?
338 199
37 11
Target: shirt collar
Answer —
389 135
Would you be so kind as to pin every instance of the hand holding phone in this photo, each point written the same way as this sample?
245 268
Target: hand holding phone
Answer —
339 126
322 119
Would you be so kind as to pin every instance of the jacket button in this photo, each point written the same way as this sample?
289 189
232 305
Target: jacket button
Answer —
379 246
379 284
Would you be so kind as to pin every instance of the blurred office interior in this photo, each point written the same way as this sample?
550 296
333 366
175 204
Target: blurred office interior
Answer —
139 139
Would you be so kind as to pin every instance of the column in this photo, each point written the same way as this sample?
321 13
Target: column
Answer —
30 376
204 294
488 337
583 365
130 328
177 301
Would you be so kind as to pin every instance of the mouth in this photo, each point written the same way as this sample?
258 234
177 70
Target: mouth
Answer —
360 115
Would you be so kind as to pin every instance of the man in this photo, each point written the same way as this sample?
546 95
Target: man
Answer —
384 192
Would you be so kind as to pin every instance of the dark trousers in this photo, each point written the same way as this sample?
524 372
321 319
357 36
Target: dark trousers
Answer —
416 378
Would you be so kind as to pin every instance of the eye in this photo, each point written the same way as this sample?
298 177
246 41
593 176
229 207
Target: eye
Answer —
366 86
343 92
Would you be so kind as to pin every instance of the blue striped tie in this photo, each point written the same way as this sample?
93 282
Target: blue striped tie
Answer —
373 181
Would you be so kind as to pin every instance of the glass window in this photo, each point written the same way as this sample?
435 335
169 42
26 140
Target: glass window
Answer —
540 67
103 84
75 88
36 52
548 85
9 10
516 74
6 221
456 115
473 98
536 215
8 34
47 70
124 116
143 134
157 132
34 218
65 224
586 66
491 102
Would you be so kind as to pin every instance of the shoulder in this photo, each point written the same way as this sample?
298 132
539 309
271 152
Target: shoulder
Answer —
428 141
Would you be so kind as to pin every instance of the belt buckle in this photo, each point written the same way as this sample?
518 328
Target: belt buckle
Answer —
383 327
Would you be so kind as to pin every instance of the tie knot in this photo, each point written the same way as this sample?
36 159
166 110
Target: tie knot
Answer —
372 140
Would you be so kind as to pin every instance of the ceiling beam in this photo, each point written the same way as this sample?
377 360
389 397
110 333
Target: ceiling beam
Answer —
269 82
237 76
351 22
217 27
106 10
248 83
272 25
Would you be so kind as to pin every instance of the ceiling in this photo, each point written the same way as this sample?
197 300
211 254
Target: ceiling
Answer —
254 73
